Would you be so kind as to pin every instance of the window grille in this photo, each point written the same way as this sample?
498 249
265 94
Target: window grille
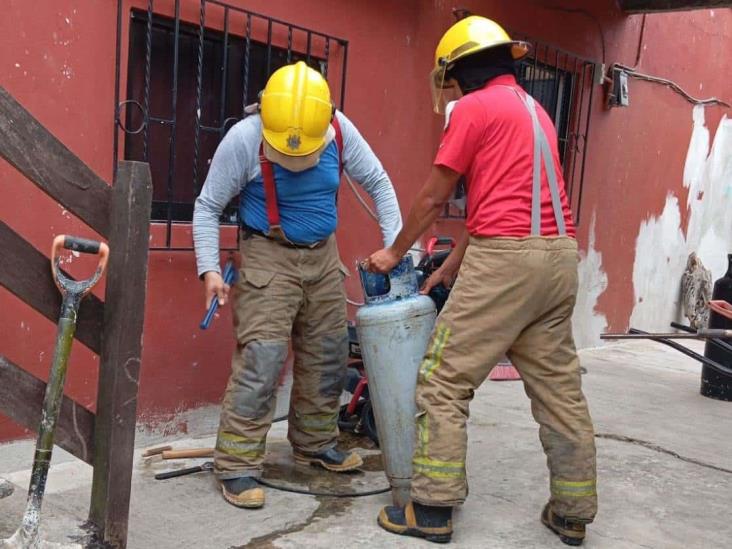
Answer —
188 83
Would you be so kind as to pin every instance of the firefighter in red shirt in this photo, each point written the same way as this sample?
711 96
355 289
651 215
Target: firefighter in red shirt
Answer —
516 268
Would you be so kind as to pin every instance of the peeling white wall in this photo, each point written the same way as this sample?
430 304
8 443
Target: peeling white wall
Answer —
660 259
710 224
662 247
587 322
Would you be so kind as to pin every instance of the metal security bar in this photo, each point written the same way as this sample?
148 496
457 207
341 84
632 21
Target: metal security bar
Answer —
188 82
564 85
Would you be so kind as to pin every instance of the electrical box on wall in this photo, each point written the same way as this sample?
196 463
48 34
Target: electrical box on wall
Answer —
618 94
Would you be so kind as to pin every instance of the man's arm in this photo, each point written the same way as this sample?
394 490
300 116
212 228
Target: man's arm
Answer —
430 200
227 173
463 135
361 164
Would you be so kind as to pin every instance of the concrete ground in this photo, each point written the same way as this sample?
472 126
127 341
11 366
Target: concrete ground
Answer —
664 460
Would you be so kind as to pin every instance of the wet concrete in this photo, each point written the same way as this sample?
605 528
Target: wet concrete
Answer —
281 469
664 464
328 508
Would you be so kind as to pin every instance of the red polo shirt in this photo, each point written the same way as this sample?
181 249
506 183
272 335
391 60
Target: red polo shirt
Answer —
490 140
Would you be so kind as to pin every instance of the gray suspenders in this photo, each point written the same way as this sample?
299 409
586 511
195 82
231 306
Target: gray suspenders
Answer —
542 152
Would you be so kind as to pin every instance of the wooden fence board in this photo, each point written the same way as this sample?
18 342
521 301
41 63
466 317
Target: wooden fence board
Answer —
39 156
21 399
26 272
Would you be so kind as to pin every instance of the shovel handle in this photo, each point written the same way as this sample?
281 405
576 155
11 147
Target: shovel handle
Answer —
83 245
65 284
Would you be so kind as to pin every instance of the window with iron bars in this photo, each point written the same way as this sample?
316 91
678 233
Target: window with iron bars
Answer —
188 83
563 83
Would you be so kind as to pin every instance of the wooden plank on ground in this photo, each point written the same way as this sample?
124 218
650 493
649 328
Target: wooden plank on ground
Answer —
21 399
121 352
46 161
26 272
649 6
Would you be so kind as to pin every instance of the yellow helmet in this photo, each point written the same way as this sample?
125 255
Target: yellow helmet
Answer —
466 37
296 110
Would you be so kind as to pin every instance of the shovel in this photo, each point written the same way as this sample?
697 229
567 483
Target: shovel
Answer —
73 291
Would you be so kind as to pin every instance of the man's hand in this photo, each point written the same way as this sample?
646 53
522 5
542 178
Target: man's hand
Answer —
445 274
215 288
382 261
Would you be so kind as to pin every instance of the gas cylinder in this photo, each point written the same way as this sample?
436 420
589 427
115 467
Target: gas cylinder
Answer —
716 384
394 328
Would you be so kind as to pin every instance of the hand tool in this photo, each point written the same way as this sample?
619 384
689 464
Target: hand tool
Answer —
662 338
207 466
188 453
150 452
719 343
703 333
73 291
229 277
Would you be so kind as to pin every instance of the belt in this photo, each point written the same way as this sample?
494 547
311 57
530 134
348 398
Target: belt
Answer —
249 232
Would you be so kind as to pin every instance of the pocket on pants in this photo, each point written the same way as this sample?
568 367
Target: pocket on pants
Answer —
343 270
259 278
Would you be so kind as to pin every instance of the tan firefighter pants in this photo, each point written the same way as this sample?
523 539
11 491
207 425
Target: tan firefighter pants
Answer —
512 296
283 293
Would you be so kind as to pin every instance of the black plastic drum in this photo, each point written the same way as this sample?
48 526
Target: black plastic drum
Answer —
715 384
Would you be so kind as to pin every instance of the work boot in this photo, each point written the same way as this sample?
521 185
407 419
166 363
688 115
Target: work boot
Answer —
243 492
570 532
332 460
419 521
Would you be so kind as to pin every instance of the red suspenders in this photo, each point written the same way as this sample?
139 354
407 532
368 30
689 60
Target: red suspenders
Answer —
270 189
339 142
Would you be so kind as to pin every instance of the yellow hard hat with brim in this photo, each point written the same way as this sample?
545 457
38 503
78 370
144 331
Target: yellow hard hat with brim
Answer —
296 112
466 37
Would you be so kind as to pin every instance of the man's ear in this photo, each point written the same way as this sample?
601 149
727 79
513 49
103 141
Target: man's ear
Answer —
448 112
252 108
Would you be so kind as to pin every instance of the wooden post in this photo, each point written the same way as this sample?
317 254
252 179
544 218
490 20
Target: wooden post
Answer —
121 352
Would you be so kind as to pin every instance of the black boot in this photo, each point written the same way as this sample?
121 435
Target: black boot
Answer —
570 532
243 492
332 460
419 521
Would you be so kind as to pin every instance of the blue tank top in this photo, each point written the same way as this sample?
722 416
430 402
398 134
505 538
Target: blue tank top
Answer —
306 200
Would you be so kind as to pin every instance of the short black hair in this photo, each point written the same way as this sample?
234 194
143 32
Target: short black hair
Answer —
498 55
473 71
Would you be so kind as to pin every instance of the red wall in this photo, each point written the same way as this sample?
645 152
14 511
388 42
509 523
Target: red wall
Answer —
57 58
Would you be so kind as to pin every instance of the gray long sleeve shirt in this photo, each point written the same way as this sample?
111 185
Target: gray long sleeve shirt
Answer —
236 162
